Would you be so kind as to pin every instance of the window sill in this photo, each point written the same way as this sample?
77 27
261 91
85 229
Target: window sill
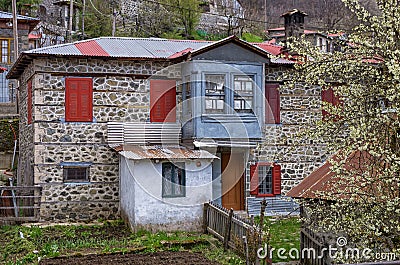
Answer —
173 196
62 120
239 117
76 183
265 195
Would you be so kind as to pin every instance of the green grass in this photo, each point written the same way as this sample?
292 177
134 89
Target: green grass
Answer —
112 237
107 237
285 233
251 37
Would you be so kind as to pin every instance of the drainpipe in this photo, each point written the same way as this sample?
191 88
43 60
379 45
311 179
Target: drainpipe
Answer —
13 197
15 145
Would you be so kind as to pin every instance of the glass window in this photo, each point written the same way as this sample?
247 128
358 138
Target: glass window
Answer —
76 174
173 179
5 95
215 93
264 179
5 50
243 93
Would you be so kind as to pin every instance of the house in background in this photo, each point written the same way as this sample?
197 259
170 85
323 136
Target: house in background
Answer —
150 129
25 26
294 27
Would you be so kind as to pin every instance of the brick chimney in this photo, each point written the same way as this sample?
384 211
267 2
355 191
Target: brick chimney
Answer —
294 23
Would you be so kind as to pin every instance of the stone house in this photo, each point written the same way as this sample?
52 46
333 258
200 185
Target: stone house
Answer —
149 129
294 27
25 26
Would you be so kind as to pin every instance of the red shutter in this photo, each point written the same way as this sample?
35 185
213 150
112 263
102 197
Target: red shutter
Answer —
29 102
79 99
254 179
272 104
162 101
328 96
276 179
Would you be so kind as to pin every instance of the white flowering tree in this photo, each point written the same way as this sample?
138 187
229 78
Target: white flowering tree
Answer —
362 130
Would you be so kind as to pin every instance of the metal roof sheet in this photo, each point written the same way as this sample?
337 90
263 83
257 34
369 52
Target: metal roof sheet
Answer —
161 152
123 47
6 15
91 47
324 179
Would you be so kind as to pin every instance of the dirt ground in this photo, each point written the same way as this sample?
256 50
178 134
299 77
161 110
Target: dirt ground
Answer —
158 258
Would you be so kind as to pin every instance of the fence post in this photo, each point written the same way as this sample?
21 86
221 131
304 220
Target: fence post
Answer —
205 217
227 233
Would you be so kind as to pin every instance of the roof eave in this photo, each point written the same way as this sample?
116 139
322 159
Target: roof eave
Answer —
26 58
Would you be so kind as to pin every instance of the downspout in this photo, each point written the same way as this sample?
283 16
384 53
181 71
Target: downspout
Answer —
15 146
12 166
13 197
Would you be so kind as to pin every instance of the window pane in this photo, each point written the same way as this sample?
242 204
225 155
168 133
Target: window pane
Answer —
173 180
243 94
76 174
265 180
214 93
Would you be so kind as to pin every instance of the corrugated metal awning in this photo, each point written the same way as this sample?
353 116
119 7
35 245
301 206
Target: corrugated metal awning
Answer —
161 152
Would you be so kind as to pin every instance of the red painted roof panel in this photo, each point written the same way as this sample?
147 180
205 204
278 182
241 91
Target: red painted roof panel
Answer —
91 48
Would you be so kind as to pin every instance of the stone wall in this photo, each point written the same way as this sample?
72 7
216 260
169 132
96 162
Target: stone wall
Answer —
118 95
297 155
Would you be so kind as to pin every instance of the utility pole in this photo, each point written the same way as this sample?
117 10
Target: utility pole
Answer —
265 16
114 18
71 14
83 18
15 29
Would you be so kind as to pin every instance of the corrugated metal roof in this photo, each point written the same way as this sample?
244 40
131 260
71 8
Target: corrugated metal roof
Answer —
131 48
123 47
161 152
6 15
324 180
270 48
91 48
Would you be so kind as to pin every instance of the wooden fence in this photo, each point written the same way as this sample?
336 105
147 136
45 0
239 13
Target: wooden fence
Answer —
225 225
19 203
311 241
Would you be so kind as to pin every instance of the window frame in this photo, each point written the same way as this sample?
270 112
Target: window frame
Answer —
230 94
242 96
276 181
216 95
175 166
66 168
8 50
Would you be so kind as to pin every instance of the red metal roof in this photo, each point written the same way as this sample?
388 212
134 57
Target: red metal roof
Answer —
323 180
34 36
179 54
91 47
270 48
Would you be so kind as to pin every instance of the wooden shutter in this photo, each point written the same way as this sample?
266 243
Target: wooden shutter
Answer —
276 179
254 179
272 104
79 99
29 102
328 96
162 101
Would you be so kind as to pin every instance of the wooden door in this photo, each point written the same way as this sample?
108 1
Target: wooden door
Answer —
232 166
